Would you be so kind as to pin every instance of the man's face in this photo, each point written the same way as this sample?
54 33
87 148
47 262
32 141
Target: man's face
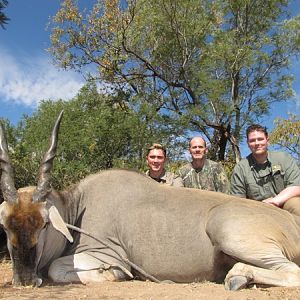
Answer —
258 142
198 149
156 160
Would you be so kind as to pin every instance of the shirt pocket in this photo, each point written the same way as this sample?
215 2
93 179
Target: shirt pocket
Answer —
279 182
253 192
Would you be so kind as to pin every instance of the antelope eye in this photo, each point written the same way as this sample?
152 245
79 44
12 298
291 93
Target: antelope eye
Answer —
46 224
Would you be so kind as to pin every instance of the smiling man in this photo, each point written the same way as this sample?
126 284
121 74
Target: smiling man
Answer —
156 159
203 173
266 176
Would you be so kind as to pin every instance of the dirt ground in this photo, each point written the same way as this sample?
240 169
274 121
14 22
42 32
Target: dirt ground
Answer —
137 290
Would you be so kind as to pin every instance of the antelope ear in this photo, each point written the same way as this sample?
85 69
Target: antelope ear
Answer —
58 223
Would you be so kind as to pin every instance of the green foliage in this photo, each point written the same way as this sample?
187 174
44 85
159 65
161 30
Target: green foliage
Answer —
98 131
286 135
10 131
207 66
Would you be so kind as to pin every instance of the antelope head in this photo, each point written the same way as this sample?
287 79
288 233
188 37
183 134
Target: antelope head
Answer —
26 213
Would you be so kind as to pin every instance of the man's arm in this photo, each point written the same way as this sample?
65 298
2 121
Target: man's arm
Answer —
292 172
291 181
283 196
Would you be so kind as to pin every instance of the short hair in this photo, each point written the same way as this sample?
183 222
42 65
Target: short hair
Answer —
256 127
157 146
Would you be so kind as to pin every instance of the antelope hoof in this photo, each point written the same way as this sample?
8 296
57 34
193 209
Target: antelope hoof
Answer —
236 283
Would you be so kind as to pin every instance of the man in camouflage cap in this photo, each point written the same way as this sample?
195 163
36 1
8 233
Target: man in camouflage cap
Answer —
156 159
203 173
271 177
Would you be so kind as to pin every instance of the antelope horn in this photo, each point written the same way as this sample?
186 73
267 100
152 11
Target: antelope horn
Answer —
7 178
44 176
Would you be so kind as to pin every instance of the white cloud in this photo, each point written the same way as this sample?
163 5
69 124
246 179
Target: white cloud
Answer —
29 80
297 100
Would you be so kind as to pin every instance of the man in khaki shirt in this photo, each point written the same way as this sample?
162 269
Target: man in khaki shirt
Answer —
267 176
156 159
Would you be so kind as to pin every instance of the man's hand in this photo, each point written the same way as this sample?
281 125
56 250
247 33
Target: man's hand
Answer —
273 201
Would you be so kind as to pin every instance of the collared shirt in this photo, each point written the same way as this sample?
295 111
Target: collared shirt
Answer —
211 177
261 181
168 178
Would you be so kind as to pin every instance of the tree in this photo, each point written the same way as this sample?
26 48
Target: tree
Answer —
209 66
3 18
98 132
286 135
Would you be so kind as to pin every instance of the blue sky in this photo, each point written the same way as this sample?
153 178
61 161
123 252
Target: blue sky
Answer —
27 75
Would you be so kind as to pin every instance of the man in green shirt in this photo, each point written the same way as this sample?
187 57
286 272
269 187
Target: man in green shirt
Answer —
266 176
203 173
